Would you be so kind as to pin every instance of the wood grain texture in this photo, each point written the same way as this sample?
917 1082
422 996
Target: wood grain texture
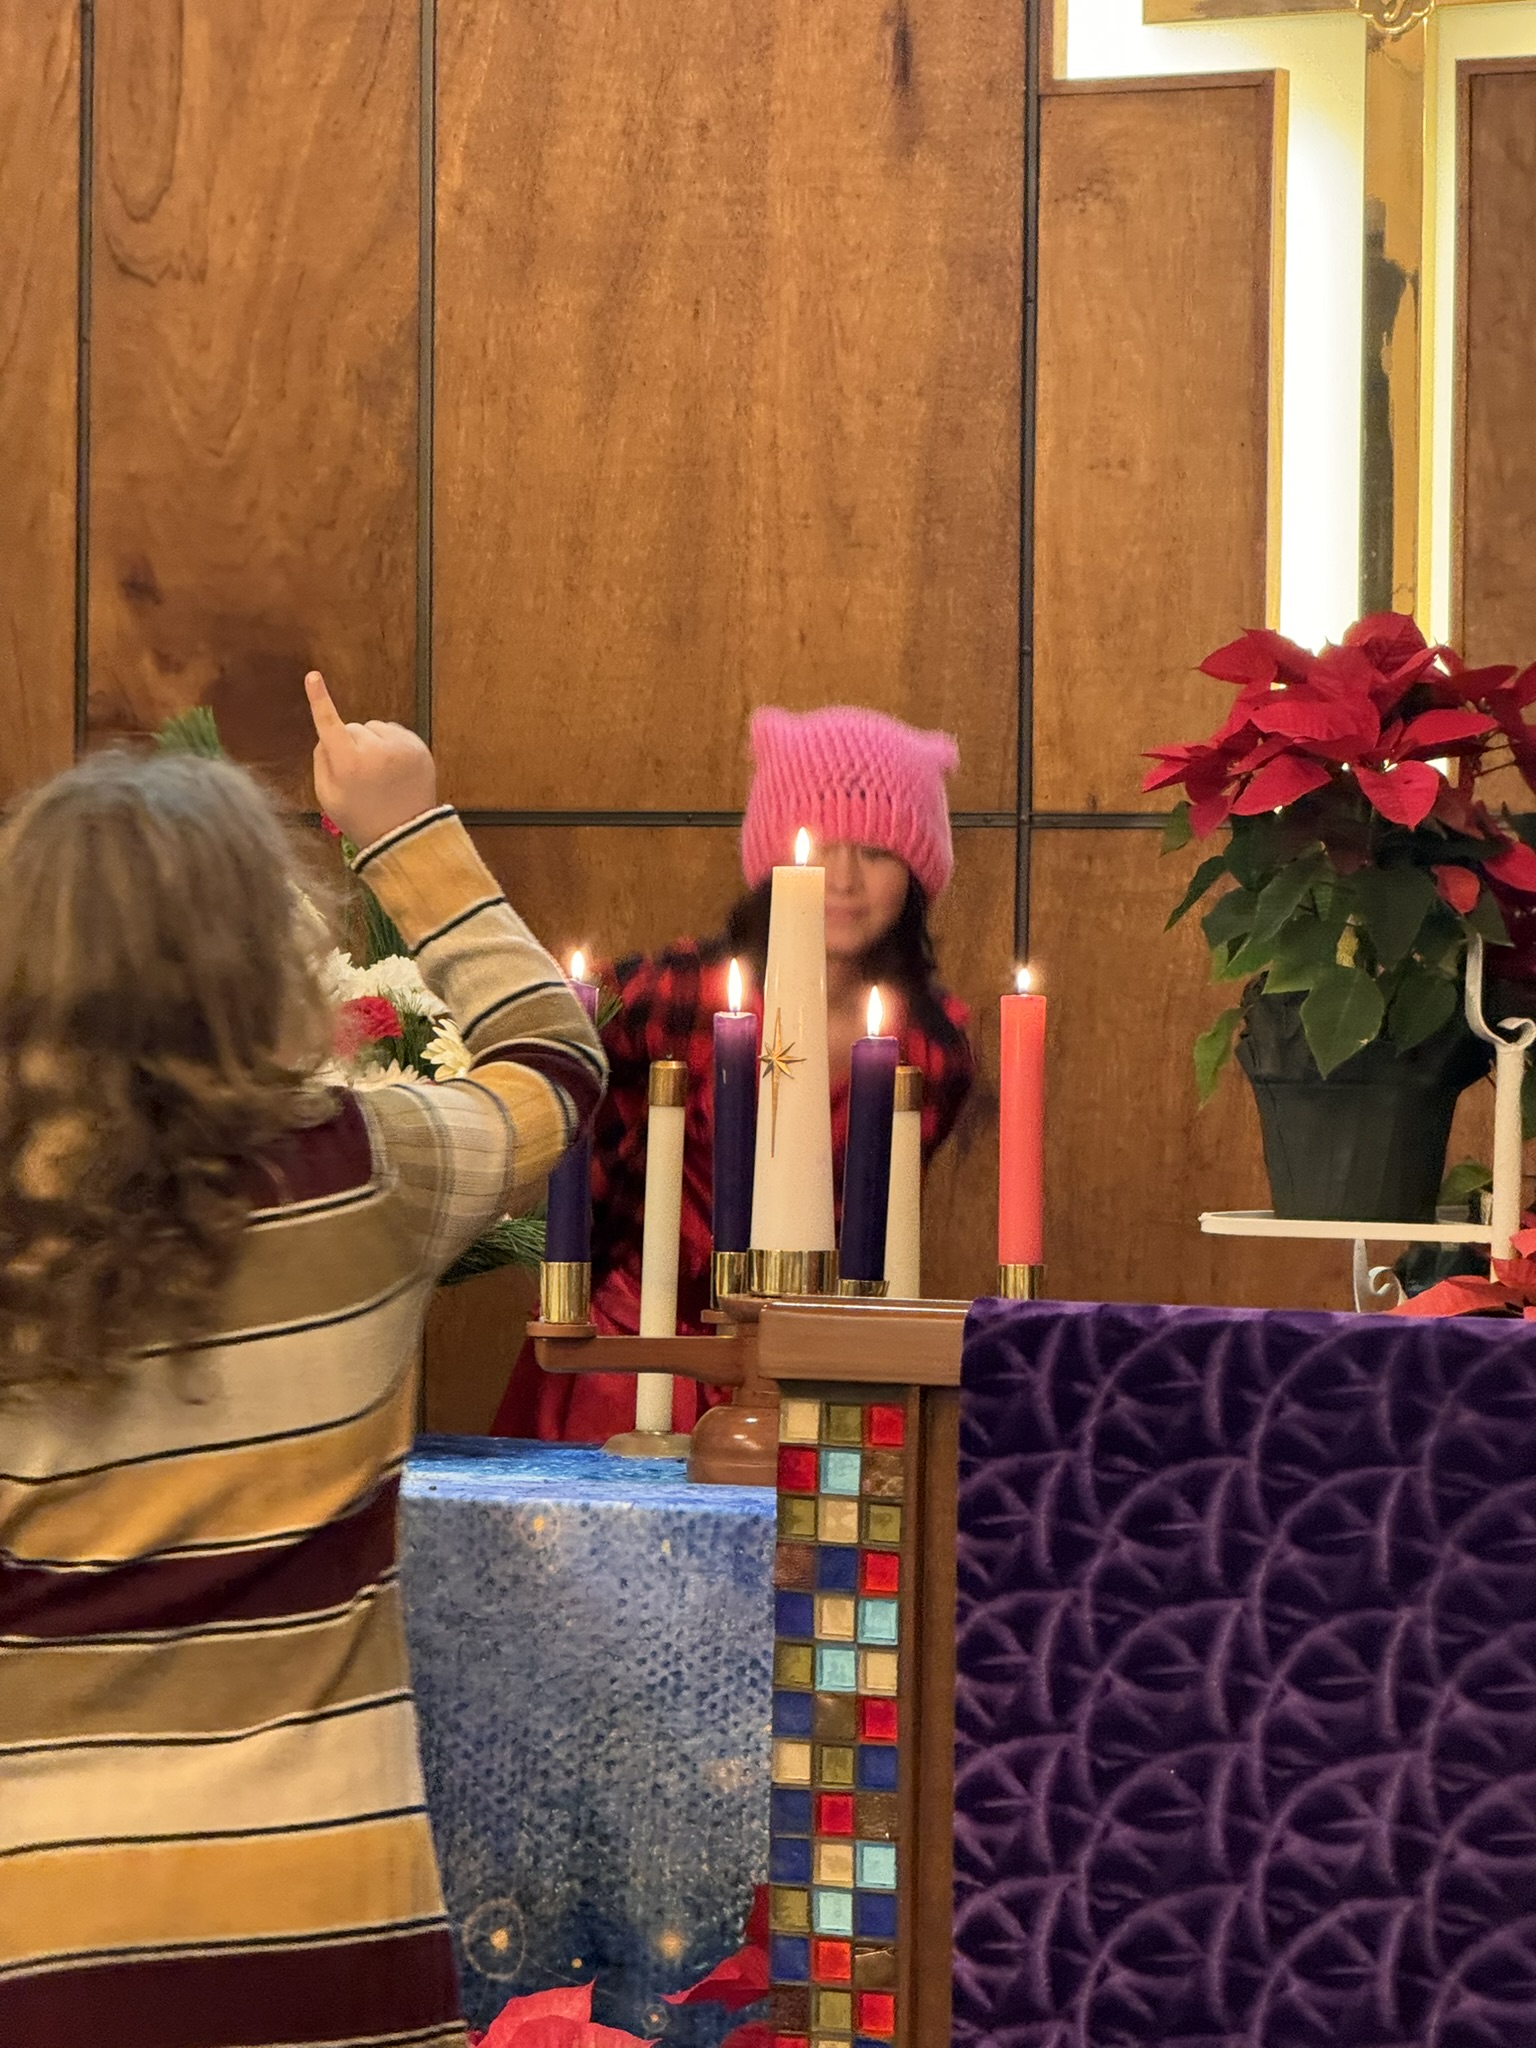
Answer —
253 411
474 1333
1152 510
727 386
39 188
1494 590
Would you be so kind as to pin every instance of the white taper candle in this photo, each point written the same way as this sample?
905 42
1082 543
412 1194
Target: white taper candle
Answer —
904 1216
662 1233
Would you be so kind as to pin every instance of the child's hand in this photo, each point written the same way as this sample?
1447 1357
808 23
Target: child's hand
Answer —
369 778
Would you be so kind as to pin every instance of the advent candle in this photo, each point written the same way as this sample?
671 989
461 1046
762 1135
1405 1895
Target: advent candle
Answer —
1021 1133
793 1238
568 1222
867 1165
904 1215
735 1127
662 1232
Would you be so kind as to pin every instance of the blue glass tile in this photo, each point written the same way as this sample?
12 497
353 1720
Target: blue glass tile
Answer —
832 1911
837 1670
875 1865
789 1860
794 1614
789 1959
837 1569
840 1471
792 1713
879 1621
877 1767
875 1914
790 1812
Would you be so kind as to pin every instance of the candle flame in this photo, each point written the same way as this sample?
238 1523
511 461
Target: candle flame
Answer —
802 847
1023 980
733 988
876 1013
578 966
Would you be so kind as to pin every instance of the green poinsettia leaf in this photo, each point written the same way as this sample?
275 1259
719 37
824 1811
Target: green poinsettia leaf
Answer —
1201 880
1178 831
1310 946
1213 1048
1231 917
1283 895
1423 1002
1487 919
1392 904
1528 1101
1343 1012
193 731
1470 1177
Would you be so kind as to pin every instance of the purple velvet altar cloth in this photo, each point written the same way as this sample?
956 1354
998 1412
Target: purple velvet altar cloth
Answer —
1246 1711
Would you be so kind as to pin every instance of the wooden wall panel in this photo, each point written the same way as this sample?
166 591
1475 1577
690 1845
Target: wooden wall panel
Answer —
727 386
253 411
1495 593
1157 230
39 198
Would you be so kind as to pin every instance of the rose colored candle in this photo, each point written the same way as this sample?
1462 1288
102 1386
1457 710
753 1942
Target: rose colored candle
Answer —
568 1216
867 1165
735 1118
1021 1132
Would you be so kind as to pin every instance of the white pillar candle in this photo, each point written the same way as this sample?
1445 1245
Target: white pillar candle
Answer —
662 1233
792 1184
904 1217
1508 1148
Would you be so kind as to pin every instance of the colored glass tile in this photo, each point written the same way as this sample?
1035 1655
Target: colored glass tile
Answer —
874 1969
840 1470
875 1866
794 1566
834 1863
843 1424
791 1763
797 1517
877 1670
879 1571
874 1915
837 1670
789 2009
877 2013
882 1522
789 1860
885 1425
834 1813
877 1769
834 1766
877 1816
791 2041
884 1475
877 1721
794 1664
831 1911
833 2010
792 1713
837 1570
789 1909
832 1962
789 1958
799 1422
837 1521
835 1717
790 1812
794 1615
879 1621
835 1617
797 1470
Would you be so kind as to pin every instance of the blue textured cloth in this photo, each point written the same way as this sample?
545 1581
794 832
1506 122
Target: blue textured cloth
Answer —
591 1640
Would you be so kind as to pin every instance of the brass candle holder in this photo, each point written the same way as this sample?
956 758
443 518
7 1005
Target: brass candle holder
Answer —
565 1293
1021 1283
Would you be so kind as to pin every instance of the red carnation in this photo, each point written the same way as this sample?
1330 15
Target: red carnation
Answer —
364 1020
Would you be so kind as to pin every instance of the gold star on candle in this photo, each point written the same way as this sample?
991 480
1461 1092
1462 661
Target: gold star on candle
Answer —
777 1059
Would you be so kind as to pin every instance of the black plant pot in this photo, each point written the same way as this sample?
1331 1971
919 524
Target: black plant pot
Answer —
1368 1143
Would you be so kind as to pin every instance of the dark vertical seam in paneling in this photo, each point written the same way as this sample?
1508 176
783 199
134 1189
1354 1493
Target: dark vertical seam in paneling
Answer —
84 206
426 355
1024 802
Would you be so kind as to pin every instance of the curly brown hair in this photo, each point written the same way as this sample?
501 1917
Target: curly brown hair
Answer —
161 1025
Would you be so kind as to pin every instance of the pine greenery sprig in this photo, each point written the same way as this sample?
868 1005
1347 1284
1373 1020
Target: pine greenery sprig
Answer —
193 731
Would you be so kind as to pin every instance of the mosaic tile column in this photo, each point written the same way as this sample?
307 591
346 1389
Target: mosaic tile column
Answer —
840 1833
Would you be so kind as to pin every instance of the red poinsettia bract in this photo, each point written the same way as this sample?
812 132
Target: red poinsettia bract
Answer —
553 2019
1510 1290
741 1980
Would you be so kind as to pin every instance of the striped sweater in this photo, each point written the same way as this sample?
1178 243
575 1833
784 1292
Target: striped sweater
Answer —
212 1829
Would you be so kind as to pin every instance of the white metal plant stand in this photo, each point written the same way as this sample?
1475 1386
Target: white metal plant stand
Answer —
1376 1287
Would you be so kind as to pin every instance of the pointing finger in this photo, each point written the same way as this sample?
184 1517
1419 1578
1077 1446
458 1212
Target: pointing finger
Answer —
328 720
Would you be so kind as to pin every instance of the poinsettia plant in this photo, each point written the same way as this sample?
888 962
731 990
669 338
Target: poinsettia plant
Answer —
1358 857
1510 1290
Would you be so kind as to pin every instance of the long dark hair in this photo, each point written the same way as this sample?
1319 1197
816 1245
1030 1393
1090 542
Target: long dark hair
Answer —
903 960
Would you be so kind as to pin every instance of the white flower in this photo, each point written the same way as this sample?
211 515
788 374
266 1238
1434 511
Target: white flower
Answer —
400 980
447 1055
385 1077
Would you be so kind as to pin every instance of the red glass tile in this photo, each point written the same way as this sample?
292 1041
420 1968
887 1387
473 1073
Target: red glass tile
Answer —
797 1470
834 1813
875 2012
879 1571
791 2041
886 1427
877 1720
832 1962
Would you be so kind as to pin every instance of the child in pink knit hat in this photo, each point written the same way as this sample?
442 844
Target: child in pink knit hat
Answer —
871 793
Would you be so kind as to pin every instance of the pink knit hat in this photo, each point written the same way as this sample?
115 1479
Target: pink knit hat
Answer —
848 774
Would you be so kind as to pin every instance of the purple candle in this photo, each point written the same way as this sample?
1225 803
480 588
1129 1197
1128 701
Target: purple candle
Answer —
568 1216
867 1167
735 1112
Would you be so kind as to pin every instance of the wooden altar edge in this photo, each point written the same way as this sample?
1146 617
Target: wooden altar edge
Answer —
863 1343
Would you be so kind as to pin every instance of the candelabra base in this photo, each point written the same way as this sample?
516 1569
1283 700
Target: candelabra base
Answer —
1021 1283
738 1444
647 1443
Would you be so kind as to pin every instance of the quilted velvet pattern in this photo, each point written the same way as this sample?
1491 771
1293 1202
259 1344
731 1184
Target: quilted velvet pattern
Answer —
1246 1713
